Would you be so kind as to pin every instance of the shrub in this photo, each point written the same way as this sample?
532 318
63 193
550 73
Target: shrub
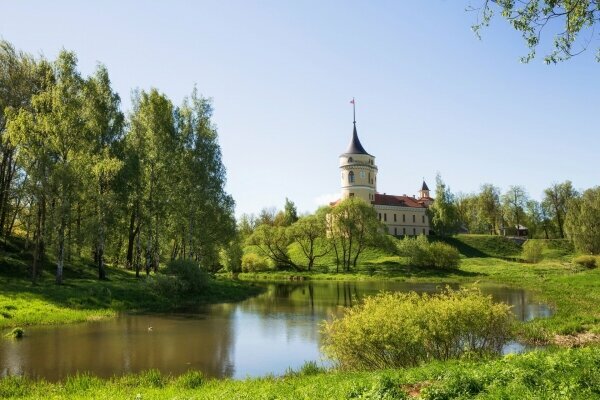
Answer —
179 277
393 330
442 255
16 333
192 278
252 262
533 251
586 261
421 253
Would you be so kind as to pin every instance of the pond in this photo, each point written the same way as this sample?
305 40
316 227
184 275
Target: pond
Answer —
266 334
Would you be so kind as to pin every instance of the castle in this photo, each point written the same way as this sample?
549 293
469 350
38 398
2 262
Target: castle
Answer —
402 215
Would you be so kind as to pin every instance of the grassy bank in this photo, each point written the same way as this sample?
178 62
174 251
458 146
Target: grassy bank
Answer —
84 298
565 373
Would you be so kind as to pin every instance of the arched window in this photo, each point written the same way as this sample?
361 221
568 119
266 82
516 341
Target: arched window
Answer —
351 176
350 159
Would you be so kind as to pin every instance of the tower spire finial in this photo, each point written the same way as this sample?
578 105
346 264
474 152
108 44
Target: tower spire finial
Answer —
353 111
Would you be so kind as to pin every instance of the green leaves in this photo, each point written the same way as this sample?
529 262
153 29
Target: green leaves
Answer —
582 221
569 19
393 330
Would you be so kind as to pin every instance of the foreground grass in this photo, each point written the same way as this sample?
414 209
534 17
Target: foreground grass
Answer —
565 373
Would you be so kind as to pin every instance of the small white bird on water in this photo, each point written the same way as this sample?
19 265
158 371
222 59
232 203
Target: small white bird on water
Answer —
149 329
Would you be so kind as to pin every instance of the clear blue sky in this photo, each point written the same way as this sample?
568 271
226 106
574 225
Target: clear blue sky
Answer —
430 96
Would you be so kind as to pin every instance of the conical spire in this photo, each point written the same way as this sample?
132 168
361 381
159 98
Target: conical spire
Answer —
424 187
355 147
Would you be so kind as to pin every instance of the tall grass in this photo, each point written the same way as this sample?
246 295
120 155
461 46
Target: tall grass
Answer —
552 374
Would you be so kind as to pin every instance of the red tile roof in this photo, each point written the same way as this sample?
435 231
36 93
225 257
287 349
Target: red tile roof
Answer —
400 201
390 200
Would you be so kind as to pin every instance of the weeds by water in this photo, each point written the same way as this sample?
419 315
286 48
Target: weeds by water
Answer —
555 373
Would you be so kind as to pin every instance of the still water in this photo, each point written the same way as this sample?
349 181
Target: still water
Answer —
266 334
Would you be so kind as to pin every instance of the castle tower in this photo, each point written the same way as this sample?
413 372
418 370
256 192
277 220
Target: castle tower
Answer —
358 170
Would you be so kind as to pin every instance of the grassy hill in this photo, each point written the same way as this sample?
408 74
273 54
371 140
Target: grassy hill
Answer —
484 246
83 297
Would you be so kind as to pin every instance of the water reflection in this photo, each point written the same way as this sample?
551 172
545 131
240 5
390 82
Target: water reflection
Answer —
265 334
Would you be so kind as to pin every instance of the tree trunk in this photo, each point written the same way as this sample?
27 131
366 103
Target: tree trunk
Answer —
560 224
38 251
60 257
138 252
100 250
131 239
78 240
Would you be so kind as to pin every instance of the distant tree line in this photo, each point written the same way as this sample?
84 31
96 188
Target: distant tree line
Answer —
562 213
79 177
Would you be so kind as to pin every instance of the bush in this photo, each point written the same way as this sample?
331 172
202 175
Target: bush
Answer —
179 277
393 330
16 333
252 262
421 253
192 278
442 255
533 251
586 261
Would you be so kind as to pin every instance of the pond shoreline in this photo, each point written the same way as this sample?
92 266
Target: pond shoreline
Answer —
538 374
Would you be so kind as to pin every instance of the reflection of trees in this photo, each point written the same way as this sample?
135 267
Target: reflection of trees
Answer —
109 348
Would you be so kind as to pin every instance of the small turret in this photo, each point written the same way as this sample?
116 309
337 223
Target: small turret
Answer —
424 192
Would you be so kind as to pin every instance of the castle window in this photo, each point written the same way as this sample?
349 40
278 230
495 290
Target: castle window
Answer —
395 231
423 219
380 216
414 218
403 217
351 176
404 231
362 174
350 159
414 231
394 217
385 217
423 231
